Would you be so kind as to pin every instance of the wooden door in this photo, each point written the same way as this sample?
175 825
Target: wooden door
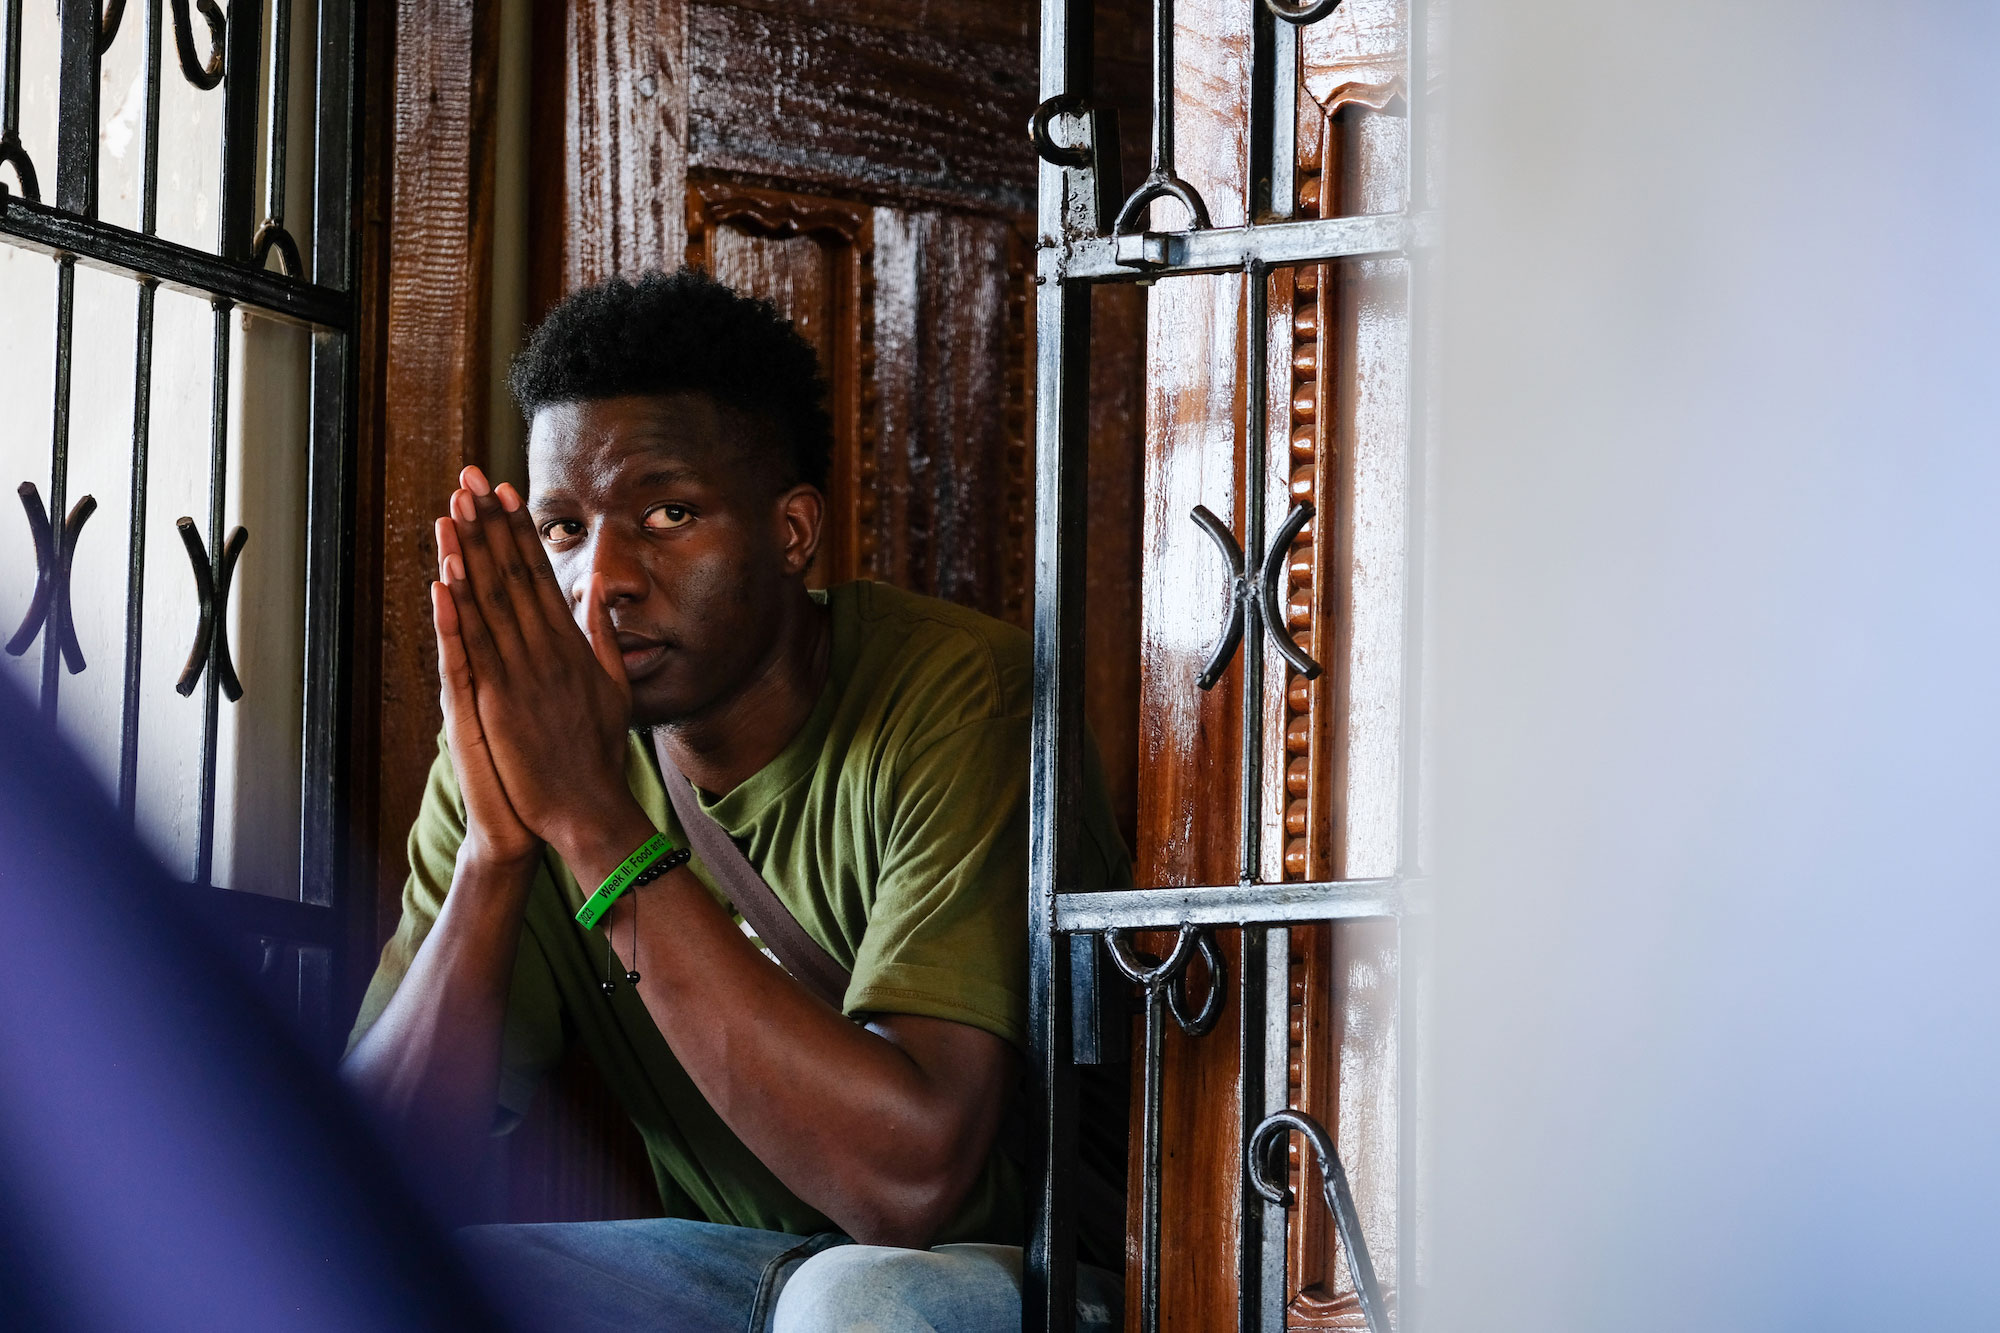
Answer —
1333 786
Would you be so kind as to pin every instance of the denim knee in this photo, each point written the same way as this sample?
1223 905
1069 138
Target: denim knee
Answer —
876 1289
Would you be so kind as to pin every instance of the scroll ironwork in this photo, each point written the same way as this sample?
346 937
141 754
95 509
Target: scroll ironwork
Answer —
54 556
1261 1156
203 75
211 631
1267 593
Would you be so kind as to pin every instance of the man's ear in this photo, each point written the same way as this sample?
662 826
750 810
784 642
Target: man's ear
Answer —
802 512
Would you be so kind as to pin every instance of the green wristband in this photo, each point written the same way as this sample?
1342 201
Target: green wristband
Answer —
651 850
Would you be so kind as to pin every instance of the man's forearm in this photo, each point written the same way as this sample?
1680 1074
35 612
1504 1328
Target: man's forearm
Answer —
850 1120
431 1063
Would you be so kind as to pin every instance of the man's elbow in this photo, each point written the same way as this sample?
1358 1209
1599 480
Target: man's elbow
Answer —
911 1211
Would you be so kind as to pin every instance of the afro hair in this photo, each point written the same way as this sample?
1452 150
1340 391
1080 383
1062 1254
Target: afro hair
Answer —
682 332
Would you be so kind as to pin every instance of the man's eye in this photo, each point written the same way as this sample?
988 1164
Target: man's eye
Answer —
558 531
668 516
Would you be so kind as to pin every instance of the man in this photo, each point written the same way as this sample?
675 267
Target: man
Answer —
867 749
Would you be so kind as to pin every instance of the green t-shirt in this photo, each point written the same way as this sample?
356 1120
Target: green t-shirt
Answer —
893 826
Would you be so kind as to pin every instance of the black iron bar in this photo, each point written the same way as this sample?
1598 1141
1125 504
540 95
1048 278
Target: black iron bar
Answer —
135 569
76 108
237 217
271 233
149 180
278 114
142 434
183 268
59 454
329 522
1260 1157
218 464
109 20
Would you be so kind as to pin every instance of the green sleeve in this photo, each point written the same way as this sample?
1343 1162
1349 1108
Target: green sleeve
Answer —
947 928
533 1041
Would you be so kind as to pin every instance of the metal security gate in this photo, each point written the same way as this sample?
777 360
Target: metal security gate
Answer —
245 57
1087 234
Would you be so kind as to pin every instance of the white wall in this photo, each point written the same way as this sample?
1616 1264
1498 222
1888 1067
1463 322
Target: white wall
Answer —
1717 671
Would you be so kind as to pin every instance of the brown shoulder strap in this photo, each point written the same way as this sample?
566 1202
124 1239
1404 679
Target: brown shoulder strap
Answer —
799 953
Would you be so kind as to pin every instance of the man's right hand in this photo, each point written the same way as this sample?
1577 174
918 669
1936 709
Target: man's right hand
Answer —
494 833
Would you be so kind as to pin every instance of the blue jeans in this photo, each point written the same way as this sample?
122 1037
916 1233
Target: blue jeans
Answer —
698 1277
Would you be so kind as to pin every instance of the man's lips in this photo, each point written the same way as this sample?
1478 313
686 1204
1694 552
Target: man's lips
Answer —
642 653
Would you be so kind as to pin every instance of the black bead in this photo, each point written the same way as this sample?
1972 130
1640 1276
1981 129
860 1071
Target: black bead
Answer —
610 986
632 977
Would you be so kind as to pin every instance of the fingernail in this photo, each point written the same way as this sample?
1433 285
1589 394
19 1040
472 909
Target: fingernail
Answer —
475 481
461 506
454 569
510 499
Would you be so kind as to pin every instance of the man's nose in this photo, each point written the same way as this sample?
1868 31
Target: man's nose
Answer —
617 563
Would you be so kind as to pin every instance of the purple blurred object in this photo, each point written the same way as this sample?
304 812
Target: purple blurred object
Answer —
169 1158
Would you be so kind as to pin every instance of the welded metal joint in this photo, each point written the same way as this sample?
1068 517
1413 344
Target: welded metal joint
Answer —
1138 247
1263 1160
202 74
54 557
1311 11
211 631
1267 593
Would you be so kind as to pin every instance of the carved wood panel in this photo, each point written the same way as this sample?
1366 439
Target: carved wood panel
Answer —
813 258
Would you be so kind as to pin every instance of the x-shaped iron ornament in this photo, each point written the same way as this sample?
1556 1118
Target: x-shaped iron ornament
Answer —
50 604
1267 592
211 590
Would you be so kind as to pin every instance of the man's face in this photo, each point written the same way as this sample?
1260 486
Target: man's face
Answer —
674 500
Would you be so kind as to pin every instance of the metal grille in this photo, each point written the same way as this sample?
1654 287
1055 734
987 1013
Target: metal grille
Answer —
244 57
1088 234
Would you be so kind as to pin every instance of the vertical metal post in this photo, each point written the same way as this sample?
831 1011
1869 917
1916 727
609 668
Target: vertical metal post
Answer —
243 39
277 114
1062 367
218 469
135 568
329 510
54 630
142 415
76 117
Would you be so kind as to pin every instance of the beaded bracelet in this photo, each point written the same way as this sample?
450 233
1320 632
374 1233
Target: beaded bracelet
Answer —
654 858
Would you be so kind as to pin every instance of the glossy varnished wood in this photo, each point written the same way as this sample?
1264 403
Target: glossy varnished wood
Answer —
625 138
813 258
1189 740
785 98
439 281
